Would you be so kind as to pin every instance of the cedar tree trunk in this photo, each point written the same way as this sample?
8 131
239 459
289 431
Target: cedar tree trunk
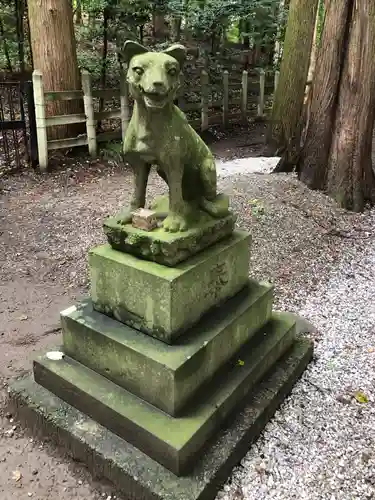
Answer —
54 54
336 156
285 125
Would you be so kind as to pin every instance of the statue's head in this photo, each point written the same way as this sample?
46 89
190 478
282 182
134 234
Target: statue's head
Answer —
153 77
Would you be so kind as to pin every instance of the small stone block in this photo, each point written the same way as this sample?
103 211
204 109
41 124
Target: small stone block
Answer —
164 247
163 301
144 219
174 442
132 472
165 376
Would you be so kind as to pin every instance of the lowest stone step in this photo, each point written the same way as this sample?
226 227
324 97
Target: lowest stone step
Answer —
173 442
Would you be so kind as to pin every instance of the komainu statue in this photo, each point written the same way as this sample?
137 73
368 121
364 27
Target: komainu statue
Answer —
159 134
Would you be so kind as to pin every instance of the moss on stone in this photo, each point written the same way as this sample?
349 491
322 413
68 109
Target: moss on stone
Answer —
168 248
165 301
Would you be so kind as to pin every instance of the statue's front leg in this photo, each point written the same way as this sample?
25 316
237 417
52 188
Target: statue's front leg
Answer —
140 178
177 216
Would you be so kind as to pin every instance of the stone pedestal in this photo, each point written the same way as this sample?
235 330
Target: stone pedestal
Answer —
167 372
165 301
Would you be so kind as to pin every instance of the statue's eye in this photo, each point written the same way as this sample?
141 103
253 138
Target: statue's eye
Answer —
172 72
138 70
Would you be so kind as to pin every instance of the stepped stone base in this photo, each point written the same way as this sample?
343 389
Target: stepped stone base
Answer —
161 301
134 473
166 376
173 442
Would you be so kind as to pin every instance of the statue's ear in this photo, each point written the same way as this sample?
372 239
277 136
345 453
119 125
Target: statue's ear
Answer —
178 52
132 49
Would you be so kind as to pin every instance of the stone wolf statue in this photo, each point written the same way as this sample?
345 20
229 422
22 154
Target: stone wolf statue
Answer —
159 134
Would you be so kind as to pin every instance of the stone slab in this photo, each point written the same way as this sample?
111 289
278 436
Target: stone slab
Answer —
163 301
174 442
132 472
166 376
164 247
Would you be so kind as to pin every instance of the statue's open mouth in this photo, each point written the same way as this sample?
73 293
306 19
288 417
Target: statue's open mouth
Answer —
155 99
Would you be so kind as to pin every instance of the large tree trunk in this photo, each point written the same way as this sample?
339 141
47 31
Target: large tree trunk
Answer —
54 54
337 153
158 25
176 28
285 127
324 88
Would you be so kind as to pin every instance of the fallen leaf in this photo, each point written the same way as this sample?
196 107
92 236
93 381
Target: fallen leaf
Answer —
17 475
361 397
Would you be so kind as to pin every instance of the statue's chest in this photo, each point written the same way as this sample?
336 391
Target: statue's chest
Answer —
146 147
149 146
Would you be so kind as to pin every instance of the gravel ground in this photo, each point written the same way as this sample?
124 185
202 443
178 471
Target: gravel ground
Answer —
320 445
321 260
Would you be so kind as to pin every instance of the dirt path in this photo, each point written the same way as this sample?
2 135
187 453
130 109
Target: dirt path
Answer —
48 223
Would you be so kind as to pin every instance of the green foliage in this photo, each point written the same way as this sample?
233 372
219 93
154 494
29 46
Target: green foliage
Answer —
257 208
211 23
361 397
113 151
9 42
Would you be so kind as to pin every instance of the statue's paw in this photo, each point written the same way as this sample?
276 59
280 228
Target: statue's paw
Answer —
175 223
218 207
124 218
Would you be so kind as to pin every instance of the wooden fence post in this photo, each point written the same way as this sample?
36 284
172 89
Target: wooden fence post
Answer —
204 100
124 104
40 119
88 103
276 81
244 92
225 98
262 84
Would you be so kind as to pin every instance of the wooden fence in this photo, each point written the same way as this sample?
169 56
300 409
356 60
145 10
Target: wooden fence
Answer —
251 103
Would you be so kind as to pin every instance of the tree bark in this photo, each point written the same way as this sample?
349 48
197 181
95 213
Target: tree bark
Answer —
244 27
337 153
158 26
54 54
350 178
314 155
285 126
176 28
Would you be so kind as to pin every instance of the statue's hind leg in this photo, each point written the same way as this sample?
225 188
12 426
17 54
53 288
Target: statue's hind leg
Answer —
212 203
